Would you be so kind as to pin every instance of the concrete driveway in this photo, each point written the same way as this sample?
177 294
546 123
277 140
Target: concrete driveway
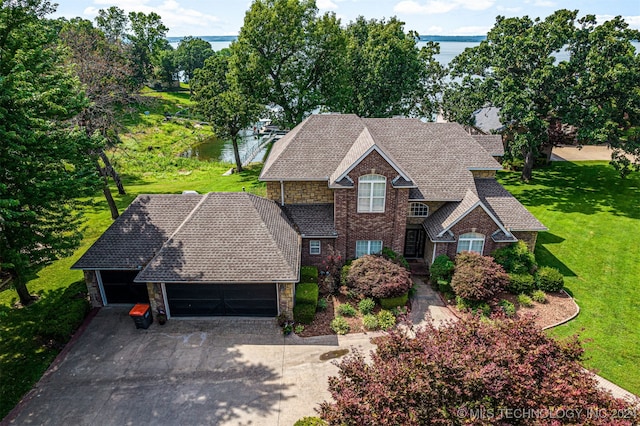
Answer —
228 371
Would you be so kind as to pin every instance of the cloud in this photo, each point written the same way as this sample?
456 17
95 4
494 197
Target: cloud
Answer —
508 9
541 3
435 29
471 30
179 19
633 21
434 7
326 5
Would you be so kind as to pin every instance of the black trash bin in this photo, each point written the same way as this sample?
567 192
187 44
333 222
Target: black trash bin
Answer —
141 314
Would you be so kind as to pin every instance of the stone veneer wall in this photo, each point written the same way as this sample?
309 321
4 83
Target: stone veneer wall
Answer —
484 174
91 280
286 294
389 226
301 192
156 299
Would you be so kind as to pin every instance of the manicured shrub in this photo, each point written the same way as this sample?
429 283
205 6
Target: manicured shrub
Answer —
347 310
444 286
392 302
413 291
339 325
370 321
516 258
477 277
386 320
375 276
521 283
322 304
549 279
503 362
308 274
307 294
441 269
524 300
395 257
304 313
366 305
310 421
507 307
539 296
472 306
344 273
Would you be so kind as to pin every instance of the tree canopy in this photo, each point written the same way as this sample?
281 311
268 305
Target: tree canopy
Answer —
190 55
472 371
516 69
45 165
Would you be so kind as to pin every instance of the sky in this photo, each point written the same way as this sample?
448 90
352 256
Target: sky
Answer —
427 17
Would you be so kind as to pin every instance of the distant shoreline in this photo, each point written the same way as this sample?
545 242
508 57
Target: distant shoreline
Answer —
438 38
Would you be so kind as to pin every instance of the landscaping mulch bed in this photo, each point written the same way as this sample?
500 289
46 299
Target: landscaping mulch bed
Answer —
559 307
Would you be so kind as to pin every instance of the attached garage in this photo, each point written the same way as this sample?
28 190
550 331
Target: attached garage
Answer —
118 287
191 300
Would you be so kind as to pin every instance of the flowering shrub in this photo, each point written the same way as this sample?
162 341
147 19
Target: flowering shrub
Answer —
375 276
442 373
477 277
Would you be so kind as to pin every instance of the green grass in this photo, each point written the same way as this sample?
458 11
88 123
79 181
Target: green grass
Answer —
593 218
26 344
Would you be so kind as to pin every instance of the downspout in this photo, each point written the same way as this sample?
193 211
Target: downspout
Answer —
282 193
433 256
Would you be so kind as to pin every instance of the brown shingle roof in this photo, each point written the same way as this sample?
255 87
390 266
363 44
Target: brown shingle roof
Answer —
513 215
312 220
491 143
447 215
229 238
140 231
438 157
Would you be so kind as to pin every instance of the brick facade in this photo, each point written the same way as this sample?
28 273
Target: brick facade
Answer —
302 192
476 221
389 226
529 238
316 259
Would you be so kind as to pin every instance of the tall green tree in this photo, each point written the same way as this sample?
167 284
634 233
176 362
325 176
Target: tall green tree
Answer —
44 160
221 101
287 56
114 23
515 70
604 99
385 72
147 37
190 55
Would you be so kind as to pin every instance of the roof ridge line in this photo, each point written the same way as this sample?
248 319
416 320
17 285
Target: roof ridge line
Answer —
186 219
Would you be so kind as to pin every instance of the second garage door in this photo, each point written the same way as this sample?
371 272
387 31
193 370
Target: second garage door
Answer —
258 300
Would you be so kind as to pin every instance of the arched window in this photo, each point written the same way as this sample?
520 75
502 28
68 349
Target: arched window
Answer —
471 241
418 209
371 193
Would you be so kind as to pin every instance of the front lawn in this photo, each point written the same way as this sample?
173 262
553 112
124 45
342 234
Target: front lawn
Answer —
593 218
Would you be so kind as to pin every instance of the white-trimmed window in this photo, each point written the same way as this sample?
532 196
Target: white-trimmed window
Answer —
314 247
364 247
371 193
418 209
471 241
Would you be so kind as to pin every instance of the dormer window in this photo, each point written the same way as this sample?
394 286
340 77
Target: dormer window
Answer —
418 209
371 193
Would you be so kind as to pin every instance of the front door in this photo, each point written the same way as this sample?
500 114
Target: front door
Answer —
414 243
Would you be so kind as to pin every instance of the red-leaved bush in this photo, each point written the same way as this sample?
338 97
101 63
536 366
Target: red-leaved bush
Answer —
478 277
471 371
375 276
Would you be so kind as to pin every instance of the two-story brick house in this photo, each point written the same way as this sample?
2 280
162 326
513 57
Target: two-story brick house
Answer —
356 185
422 189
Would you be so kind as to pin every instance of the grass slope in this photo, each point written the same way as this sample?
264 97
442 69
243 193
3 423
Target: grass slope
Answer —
593 218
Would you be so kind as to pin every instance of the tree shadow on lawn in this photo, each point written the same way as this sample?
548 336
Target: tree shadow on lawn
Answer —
585 187
546 258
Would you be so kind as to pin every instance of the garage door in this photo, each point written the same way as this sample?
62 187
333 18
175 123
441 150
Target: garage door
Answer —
119 287
256 300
